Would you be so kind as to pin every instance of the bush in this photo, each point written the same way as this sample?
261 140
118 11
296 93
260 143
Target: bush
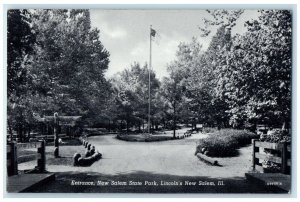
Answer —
274 136
223 143
209 130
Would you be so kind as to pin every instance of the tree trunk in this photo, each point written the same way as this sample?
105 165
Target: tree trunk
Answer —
19 132
127 126
10 132
108 125
174 121
28 132
152 126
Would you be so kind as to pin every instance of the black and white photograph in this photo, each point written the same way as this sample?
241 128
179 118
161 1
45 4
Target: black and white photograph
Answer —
156 101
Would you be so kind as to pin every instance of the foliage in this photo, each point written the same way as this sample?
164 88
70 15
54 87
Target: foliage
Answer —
20 40
196 72
131 95
57 62
226 18
173 93
69 63
209 130
224 142
143 138
276 136
254 77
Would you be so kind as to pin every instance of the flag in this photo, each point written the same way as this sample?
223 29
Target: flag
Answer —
152 32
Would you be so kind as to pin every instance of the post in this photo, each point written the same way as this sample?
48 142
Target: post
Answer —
150 58
41 160
12 159
255 149
284 158
56 143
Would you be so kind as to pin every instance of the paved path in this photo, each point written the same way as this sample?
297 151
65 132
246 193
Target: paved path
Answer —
174 157
166 160
167 157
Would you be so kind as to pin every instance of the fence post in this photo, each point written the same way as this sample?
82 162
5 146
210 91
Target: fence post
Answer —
255 149
12 160
41 161
284 158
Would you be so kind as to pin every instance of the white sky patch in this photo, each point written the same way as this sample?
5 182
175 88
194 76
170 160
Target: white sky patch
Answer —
117 33
164 52
138 50
113 32
125 34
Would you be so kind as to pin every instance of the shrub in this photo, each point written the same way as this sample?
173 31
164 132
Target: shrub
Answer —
274 136
209 130
218 146
243 137
224 142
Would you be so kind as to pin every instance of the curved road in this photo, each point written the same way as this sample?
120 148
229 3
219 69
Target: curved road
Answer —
167 157
147 161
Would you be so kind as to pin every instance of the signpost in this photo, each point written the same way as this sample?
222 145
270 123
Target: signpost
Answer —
56 144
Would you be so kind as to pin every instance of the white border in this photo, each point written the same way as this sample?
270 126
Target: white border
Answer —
122 4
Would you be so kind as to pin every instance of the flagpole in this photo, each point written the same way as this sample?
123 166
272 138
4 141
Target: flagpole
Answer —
150 58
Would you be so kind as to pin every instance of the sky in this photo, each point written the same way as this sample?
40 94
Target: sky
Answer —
125 34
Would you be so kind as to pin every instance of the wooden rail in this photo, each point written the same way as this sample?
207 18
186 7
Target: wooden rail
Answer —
283 158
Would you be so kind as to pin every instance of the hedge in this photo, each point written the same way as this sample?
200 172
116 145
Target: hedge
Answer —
225 142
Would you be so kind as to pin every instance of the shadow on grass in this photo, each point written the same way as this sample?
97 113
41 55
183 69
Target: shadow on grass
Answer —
165 184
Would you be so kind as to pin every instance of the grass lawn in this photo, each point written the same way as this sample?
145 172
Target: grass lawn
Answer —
66 152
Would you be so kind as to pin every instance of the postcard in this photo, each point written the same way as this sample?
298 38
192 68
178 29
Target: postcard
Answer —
169 101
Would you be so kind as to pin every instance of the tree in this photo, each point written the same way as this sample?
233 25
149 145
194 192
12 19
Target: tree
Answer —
196 72
131 94
58 62
225 18
69 63
20 40
173 93
255 78
213 61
